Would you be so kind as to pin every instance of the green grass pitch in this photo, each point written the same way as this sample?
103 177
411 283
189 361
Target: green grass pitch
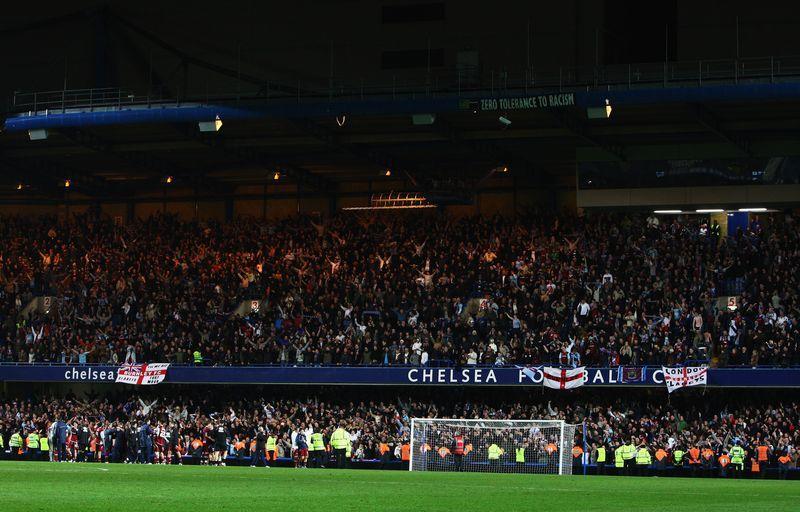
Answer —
31 486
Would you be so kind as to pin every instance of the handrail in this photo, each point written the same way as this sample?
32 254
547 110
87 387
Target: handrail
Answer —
460 82
63 100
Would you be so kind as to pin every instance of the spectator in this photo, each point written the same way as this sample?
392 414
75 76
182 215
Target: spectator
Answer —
383 290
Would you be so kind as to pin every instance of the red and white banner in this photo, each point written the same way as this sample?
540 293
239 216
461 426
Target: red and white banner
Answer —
562 378
142 374
676 378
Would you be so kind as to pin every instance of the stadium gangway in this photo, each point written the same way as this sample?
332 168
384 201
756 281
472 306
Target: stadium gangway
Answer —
80 99
459 82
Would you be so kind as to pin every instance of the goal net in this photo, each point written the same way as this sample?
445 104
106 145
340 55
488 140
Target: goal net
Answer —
495 446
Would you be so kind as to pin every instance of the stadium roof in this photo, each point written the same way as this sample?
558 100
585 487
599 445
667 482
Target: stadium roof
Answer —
539 145
324 131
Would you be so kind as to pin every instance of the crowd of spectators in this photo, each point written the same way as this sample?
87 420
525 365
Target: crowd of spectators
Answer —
378 423
599 289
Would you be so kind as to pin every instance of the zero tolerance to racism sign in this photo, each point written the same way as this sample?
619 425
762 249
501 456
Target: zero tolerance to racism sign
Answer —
533 102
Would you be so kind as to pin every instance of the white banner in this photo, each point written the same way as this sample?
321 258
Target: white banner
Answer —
562 378
142 374
676 378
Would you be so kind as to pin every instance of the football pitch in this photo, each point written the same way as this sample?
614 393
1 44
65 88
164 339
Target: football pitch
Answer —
32 486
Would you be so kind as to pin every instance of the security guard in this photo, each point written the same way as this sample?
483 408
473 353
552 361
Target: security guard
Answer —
619 461
762 456
15 444
317 450
678 456
599 458
724 460
493 454
405 452
784 462
629 457
272 449
577 458
643 460
737 459
340 441
755 467
716 230
385 451
694 459
552 453
459 448
707 459
519 455
33 446
661 459
197 357
348 452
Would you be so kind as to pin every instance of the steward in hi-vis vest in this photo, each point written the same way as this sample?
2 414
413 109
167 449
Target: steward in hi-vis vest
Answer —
619 462
519 455
317 449
724 460
457 449
340 441
272 448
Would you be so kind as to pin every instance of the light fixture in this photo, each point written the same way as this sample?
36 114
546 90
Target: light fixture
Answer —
405 207
423 119
210 126
168 180
757 209
668 211
710 210
395 201
504 169
38 134
276 176
504 120
20 186
67 183
603 112
388 172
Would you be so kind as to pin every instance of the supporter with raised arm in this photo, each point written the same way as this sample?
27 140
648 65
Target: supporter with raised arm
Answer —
625 290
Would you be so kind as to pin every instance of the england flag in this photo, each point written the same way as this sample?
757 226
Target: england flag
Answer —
142 374
676 378
562 378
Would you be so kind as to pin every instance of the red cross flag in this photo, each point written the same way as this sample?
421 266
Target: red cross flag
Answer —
562 378
142 374
676 378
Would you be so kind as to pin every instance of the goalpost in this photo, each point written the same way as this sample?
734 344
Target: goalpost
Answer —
496 446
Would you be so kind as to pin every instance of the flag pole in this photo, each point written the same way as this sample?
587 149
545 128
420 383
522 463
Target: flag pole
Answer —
585 447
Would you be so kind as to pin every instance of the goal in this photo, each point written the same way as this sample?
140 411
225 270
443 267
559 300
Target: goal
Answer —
495 446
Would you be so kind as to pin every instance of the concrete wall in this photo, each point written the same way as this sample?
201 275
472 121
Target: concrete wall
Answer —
278 204
696 197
